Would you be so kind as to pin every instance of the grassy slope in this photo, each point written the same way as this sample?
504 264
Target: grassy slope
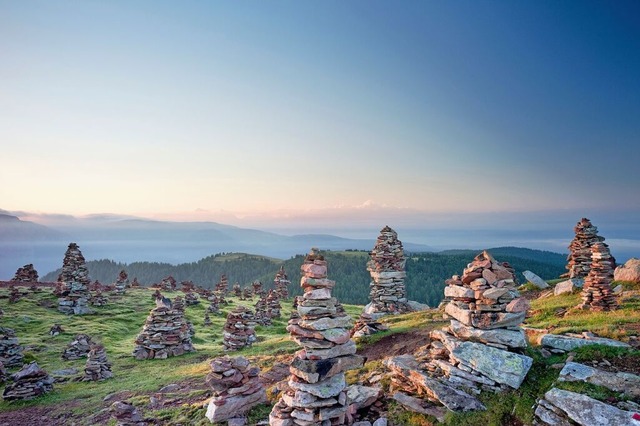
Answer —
117 324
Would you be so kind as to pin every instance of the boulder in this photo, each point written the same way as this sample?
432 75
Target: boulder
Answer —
535 280
620 382
586 411
567 286
630 271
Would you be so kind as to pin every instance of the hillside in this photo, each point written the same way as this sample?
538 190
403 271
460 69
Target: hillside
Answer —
426 272
173 391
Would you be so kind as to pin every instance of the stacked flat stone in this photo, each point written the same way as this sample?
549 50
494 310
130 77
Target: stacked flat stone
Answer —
367 325
122 282
478 351
187 286
236 388
239 329
14 295
95 286
28 383
10 349
3 373
135 283
179 305
214 306
97 366
98 299
273 304
168 283
247 293
165 333
75 282
316 392
257 288
26 274
597 294
388 294
261 315
237 291
127 414
78 348
281 283
222 287
191 298
207 320
579 259
55 330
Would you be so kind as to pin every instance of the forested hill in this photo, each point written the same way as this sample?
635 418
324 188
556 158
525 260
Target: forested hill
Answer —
426 272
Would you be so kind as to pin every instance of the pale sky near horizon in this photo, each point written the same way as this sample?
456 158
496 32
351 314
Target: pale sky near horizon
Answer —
163 107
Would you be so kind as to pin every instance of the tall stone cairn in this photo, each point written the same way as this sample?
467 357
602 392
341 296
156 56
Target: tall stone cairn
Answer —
579 259
28 383
257 288
237 291
10 349
168 283
247 293
121 282
316 390
273 304
222 287
214 305
165 333
597 294
236 388
480 348
239 329
281 283
74 281
388 294
261 315
97 366
26 274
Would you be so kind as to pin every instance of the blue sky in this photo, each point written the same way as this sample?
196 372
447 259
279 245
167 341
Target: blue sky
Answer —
215 110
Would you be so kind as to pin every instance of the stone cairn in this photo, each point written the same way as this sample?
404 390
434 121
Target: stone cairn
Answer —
478 349
214 305
55 330
135 283
78 348
273 305
14 295
168 284
122 282
236 388
367 325
10 349
165 333
3 373
222 287
179 305
579 259
257 288
31 381
239 329
207 320
262 315
75 281
597 294
237 291
316 390
127 414
97 366
187 286
191 298
281 283
388 294
247 293
26 274
98 298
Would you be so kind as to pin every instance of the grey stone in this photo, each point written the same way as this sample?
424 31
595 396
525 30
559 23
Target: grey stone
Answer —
535 280
417 307
510 338
417 405
234 406
382 421
587 411
568 343
362 396
324 389
619 382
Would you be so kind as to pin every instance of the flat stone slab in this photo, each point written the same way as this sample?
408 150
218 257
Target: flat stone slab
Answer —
587 411
501 366
568 343
418 405
535 280
510 338
619 382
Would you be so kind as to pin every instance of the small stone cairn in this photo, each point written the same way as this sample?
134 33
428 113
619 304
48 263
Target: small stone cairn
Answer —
478 349
597 294
14 295
30 382
207 320
168 284
236 388
237 291
127 414
239 329
281 283
273 304
75 281
26 274
222 287
367 325
98 298
165 333
214 306
97 366
388 294
55 330
122 282
187 286
316 390
78 348
579 259
10 349
257 288
135 283
262 315
191 298
179 305
247 293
